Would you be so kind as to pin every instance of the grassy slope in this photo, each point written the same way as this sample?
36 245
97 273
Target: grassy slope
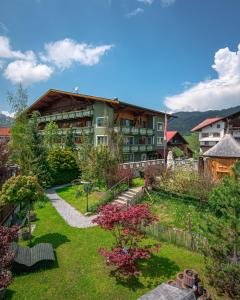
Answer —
69 194
80 272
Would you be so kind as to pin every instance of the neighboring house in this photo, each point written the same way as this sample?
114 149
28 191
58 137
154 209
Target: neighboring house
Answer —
142 128
4 134
175 139
212 130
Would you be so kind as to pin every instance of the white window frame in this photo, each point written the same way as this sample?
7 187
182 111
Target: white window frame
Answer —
162 140
104 118
101 135
162 126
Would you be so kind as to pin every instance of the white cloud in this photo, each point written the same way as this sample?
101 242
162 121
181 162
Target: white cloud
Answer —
166 3
27 72
7 52
217 93
7 113
135 12
65 52
147 2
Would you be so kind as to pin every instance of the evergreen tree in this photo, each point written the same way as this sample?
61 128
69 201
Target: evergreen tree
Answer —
222 251
69 139
39 161
51 135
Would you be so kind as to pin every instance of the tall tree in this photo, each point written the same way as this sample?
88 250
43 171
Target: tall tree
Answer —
39 162
51 135
69 139
20 131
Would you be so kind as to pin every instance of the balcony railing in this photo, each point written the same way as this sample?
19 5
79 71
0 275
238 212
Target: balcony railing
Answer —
134 131
67 115
137 148
77 130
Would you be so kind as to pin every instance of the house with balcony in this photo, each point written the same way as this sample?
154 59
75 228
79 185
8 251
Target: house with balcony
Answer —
212 130
142 128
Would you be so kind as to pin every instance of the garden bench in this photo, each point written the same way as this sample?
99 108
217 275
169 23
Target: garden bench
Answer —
27 258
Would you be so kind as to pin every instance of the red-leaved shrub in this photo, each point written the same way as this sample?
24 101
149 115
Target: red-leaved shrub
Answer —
7 235
126 225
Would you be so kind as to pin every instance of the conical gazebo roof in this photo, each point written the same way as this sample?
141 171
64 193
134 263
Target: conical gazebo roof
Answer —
226 147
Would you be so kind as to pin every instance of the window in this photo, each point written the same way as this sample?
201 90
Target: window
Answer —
159 140
128 140
159 126
205 134
216 134
88 123
100 122
102 139
127 123
218 125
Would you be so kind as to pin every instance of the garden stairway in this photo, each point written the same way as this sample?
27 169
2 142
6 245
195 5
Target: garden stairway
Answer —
128 197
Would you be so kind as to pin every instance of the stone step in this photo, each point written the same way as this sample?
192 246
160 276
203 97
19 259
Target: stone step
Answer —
124 198
130 194
118 201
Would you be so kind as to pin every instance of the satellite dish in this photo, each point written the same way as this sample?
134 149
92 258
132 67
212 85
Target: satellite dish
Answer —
76 89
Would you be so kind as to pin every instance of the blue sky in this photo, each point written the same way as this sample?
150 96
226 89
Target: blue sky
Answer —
165 54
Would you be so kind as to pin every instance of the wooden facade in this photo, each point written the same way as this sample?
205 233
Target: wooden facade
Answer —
220 159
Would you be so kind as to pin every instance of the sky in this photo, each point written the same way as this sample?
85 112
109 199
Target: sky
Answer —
170 55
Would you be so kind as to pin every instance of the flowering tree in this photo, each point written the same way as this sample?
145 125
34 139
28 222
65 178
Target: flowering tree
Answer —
7 235
126 225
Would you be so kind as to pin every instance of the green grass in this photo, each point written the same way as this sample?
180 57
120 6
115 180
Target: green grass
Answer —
80 272
174 211
137 182
69 194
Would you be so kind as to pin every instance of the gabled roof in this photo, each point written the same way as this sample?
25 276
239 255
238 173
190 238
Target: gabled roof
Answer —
172 134
53 95
4 131
226 147
205 123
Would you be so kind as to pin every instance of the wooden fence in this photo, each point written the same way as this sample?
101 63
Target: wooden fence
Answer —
176 236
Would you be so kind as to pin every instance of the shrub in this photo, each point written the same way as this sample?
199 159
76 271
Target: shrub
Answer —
188 183
20 189
63 166
126 225
7 235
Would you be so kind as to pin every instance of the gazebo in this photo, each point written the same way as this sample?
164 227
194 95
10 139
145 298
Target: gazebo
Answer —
221 157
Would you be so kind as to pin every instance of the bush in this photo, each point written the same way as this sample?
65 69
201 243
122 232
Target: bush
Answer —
20 189
188 183
63 166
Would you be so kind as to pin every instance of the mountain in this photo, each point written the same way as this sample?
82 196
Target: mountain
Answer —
5 121
185 121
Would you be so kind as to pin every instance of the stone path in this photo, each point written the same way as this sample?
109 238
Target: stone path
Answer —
72 217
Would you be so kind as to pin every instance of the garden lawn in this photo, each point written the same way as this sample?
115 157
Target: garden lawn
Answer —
175 211
80 272
69 195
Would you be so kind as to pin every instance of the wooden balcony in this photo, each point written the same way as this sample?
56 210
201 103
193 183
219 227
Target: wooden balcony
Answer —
67 115
137 148
134 130
77 130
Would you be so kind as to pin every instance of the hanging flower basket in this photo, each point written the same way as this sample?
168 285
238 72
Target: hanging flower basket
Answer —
190 277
